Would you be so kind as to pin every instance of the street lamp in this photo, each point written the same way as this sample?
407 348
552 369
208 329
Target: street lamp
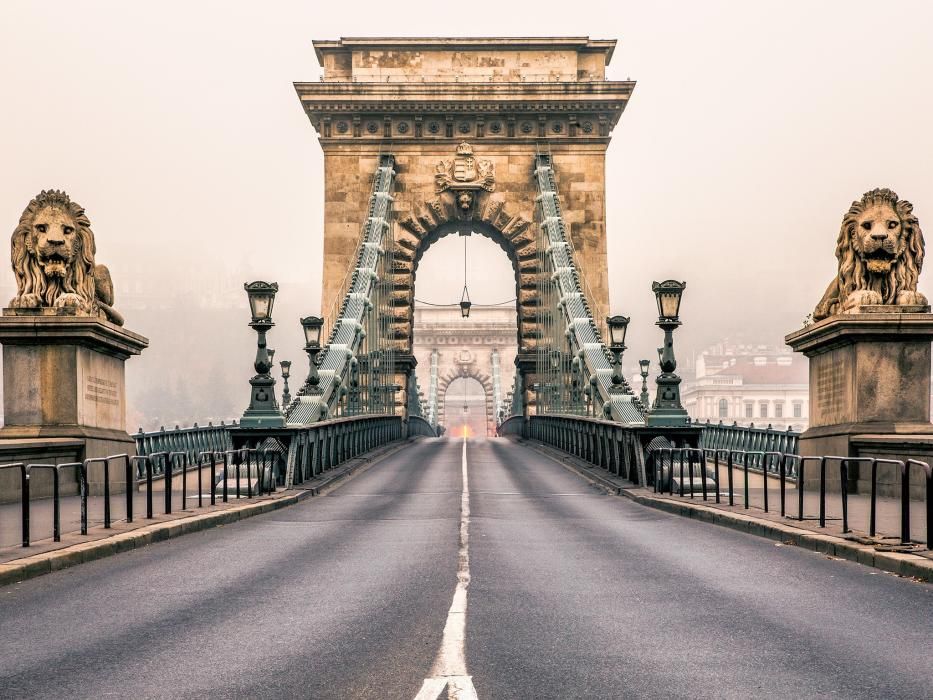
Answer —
286 366
263 411
644 365
311 325
261 298
465 298
618 325
668 296
465 303
667 409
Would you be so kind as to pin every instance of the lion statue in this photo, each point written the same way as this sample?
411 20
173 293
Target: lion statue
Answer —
53 260
880 253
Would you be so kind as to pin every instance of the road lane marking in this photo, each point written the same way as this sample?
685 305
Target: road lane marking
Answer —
449 671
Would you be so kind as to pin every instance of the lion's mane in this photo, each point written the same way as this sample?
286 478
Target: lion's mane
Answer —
79 274
854 275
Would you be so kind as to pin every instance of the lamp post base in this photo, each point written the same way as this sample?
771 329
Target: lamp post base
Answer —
667 409
669 417
263 411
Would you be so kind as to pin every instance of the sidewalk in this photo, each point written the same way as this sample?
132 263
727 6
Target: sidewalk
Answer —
43 555
40 521
888 514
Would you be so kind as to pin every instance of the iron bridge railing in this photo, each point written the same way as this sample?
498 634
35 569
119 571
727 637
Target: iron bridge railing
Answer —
604 443
193 440
685 466
317 447
251 463
206 452
752 443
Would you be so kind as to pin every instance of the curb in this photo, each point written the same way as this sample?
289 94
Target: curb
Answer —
37 565
902 564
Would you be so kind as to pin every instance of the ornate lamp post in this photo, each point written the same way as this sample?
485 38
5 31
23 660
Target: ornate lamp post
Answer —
643 366
312 327
618 325
286 366
263 411
667 409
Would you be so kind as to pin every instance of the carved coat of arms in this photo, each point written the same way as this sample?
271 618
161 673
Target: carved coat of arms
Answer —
465 172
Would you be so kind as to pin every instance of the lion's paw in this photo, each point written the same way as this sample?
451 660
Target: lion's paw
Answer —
26 301
823 311
69 301
862 297
911 298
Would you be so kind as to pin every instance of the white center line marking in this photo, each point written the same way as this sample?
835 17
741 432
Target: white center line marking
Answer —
449 671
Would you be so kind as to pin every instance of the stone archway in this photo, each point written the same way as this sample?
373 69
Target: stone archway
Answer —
465 372
427 222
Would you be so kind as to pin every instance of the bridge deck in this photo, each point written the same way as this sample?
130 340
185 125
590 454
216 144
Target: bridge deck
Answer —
571 593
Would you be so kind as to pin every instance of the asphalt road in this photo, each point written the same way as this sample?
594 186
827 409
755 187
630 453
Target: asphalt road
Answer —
572 594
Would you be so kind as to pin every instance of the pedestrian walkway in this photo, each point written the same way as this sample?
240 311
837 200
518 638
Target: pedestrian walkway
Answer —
185 504
40 525
888 514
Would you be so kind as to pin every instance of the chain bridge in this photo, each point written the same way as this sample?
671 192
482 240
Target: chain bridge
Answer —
367 554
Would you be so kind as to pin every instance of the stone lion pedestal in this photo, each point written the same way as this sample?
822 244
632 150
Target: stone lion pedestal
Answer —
64 389
869 392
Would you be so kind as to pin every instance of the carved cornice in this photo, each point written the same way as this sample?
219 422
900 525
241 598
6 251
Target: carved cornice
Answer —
465 110
466 95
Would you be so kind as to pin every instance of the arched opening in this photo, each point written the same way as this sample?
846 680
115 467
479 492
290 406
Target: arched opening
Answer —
428 222
449 349
466 408
492 278
438 270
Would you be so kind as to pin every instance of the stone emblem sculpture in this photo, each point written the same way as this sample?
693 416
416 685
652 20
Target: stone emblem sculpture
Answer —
463 175
880 252
53 260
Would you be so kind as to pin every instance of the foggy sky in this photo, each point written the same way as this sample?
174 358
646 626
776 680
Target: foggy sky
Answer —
751 129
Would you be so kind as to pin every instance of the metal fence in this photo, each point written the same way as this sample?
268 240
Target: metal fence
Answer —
207 453
420 426
740 437
193 440
317 447
750 445
253 464
683 469
603 443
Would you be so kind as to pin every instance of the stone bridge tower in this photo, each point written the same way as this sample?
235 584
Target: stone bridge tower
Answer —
464 119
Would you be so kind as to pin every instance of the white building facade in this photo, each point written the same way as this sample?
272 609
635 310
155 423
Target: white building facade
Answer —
745 384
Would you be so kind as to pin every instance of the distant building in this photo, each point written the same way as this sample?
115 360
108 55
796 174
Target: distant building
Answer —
465 347
760 384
